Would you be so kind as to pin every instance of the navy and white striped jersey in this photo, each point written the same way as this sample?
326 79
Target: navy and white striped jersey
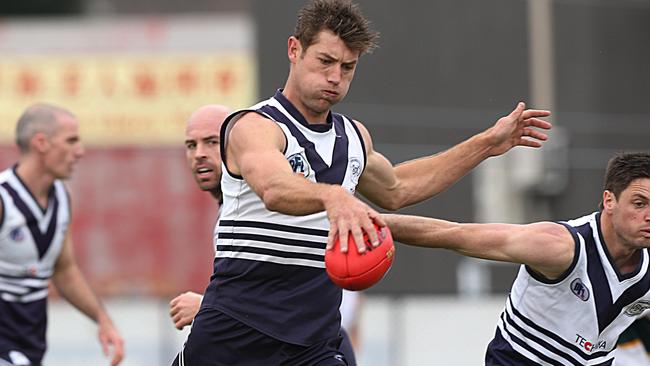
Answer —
269 267
577 319
31 239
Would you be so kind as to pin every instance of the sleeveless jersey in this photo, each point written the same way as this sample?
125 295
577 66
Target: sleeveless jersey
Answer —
576 319
31 240
269 269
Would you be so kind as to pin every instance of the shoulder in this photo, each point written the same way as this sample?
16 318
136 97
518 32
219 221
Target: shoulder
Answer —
253 123
251 128
364 134
553 231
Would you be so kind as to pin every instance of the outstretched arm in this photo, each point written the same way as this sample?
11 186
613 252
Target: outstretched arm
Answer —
420 179
546 247
184 307
72 285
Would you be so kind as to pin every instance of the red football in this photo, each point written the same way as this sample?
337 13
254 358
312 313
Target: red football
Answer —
354 271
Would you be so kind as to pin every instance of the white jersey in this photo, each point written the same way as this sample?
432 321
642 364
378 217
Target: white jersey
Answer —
31 239
577 319
269 267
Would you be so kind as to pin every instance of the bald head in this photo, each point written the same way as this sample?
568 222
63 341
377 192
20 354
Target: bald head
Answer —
213 114
202 141
38 118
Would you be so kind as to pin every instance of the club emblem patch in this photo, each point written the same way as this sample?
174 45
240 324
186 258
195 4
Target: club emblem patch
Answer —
355 170
637 308
299 164
579 289
16 234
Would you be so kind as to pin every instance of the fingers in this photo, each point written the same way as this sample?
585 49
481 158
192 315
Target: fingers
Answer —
539 123
180 321
175 301
370 228
519 109
530 113
331 236
103 340
118 352
349 220
174 310
357 236
343 240
535 134
352 233
377 219
529 143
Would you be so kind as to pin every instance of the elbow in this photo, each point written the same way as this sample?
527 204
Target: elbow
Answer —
391 206
392 202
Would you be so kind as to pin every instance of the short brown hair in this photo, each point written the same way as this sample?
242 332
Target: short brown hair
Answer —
623 168
342 17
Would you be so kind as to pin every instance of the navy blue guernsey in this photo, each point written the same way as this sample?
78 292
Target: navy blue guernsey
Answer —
269 270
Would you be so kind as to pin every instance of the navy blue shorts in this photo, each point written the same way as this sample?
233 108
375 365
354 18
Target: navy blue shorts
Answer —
346 349
216 339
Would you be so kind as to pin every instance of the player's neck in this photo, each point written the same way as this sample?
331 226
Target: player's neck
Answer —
310 116
626 258
37 180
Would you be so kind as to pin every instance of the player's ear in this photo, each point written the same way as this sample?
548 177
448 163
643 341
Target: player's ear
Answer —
39 142
294 49
609 200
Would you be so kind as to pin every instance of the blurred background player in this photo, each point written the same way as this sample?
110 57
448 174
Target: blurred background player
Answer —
204 159
35 243
292 167
582 282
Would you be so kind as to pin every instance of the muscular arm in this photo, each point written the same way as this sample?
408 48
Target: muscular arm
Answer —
254 150
546 247
417 180
72 285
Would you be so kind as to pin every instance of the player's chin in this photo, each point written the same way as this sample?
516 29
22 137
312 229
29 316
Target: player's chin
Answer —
64 174
208 185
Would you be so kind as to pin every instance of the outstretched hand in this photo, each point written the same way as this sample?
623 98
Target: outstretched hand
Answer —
520 128
109 336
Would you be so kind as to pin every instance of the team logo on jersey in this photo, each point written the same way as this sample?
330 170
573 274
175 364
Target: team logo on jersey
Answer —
16 234
579 289
299 164
637 308
18 359
355 169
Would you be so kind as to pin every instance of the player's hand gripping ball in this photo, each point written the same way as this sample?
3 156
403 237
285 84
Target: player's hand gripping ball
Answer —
354 271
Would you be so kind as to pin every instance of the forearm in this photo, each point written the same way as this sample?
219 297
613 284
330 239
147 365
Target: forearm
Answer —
421 231
474 240
423 178
75 289
295 195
